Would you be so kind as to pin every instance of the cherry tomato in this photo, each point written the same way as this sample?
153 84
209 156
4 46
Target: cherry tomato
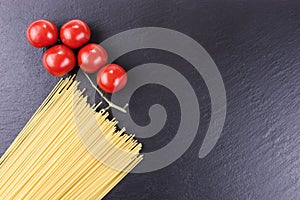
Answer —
111 78
59 60
42 33
91 58
75 33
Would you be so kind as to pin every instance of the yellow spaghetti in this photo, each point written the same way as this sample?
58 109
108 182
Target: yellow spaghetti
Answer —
67 151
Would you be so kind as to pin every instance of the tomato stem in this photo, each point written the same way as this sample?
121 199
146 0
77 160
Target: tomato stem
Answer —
110 104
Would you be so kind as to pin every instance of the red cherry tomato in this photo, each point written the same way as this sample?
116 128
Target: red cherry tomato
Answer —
111 78
92 57
42 33
59 60
75 33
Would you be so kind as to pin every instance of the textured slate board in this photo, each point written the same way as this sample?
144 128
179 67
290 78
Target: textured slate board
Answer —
255 44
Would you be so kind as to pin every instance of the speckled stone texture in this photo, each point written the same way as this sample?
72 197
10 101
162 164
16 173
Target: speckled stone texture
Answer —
255 45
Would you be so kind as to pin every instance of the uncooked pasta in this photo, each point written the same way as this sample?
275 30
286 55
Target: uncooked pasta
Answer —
67 150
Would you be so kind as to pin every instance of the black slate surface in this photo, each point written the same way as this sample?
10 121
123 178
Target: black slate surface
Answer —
255 45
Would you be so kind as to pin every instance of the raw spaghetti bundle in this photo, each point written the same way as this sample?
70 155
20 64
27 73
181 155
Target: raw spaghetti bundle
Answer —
67 151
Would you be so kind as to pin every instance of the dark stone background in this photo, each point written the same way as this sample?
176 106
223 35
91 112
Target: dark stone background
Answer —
255 45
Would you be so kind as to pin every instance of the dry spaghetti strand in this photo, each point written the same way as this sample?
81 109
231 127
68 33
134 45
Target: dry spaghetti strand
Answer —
67 151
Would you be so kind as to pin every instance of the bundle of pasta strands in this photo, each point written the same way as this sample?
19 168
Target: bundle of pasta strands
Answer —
67 151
